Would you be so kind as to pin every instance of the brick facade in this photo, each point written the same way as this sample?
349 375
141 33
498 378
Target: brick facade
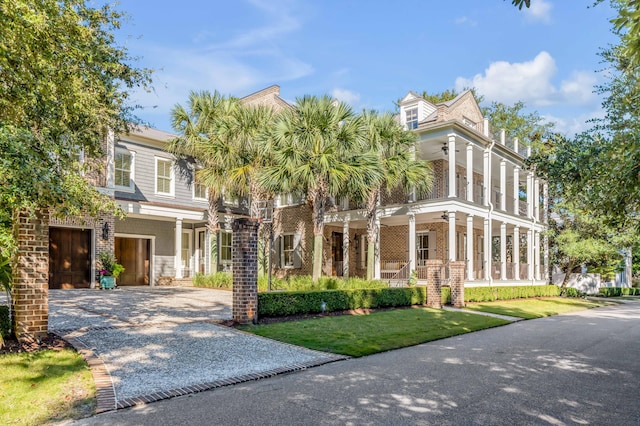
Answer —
244 253
456 274
434 283
30 283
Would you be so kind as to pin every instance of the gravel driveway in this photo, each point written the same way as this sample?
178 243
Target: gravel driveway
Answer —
152 343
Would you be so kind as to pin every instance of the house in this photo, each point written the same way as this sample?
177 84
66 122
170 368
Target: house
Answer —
488 211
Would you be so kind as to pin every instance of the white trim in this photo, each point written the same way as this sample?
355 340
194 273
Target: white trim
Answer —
172 178
221 232
132 168
189 261
140 210
193 191
152 252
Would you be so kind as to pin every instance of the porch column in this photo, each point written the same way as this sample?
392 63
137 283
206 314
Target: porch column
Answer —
503 185
536 255
470 271
516 190
452 236
529 254
452 166
376 262
536 198
530 195
503 251
470 172
178 249
486 176
516 252
412 241
487 249
345 248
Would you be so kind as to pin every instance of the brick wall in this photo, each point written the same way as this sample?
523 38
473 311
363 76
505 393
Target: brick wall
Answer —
244 242
456 272
434 283
30 283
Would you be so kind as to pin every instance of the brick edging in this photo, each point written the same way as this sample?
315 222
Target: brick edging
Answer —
105 392
158 396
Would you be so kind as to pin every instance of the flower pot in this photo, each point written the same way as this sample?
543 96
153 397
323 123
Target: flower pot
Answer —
107 282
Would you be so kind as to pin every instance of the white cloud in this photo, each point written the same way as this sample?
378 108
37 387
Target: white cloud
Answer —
465 20
574 125
539 11
531 82
346 96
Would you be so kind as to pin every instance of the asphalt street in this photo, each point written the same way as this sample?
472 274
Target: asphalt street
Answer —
581 368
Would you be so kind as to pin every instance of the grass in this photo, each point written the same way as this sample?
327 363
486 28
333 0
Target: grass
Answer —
360 335
44 387
535 308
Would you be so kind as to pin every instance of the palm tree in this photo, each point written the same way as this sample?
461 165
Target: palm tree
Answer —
319 148
395 150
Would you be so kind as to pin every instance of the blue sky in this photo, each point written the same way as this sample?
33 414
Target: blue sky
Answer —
371 53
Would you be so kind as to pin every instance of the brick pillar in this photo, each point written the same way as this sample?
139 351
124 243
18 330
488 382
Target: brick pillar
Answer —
30 283
434 283
244 254
456 273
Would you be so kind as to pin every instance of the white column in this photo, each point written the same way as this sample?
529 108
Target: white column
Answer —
412 241
536 198
486 176
452 236
503 185
111 158
178 254
515 145
376 257
470 271
470 172
503 137
536 255
452 166
530 195
503 251
530 254
516 253
345 248
516 190
487 249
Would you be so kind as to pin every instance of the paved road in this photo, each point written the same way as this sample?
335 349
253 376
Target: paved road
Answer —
582 368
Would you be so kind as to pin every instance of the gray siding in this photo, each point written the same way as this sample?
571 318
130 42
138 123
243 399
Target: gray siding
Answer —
144 178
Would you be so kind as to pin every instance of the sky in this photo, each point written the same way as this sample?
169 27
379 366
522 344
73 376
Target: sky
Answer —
371 53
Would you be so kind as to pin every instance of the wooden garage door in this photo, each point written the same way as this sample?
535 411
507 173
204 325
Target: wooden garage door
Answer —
134 255
69 258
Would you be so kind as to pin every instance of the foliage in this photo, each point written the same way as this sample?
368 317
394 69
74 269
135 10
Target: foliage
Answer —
488 294
308 302
217 280
5 324
529 128
360 335
45 387
109 265
535 308
619 291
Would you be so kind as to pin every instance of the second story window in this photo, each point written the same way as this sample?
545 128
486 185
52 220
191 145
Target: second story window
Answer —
412 118
124 169
164 177
199 190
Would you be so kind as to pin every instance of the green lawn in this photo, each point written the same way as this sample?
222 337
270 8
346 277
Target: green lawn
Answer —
44 386
535 308
360 335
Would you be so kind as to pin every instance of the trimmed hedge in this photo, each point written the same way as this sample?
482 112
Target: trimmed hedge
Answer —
489 294
310 302
619 291
5 324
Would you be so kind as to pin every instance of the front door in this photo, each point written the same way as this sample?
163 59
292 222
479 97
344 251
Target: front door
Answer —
69 258
134 255
337 253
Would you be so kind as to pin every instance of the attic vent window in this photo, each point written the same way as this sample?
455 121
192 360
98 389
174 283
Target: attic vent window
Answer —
412 118
469 123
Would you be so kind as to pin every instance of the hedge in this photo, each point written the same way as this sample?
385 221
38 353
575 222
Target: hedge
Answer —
310 302
619 291
5 324
489 294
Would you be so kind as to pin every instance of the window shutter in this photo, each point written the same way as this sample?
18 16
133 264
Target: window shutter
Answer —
297 252
433 245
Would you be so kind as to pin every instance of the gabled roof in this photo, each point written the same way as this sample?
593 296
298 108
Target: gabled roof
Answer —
268 96
411 96
151 133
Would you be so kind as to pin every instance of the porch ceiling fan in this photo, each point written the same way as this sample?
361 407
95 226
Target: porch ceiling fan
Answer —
445 149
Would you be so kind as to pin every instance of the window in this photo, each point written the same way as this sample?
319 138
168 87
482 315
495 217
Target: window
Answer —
469 123
186 253
225 247
412 118
425 247
124 169
289 199
286 251
364 250
230 200
164 176
199 190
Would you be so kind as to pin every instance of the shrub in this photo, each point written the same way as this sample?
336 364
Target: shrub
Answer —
5 324
619 291
217 280
310 302
489 294
305 283
445 292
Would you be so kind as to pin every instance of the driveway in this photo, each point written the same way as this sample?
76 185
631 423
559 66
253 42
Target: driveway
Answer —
150 343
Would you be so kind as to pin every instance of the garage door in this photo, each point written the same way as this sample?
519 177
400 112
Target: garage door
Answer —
134 255
69 258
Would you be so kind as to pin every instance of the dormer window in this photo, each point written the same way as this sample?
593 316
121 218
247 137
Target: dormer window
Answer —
470 123
412 118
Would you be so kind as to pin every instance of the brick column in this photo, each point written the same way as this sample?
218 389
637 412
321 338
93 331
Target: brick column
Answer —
456 273
30 283
244 254
434 283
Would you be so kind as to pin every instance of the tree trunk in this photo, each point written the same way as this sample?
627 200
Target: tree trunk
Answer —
371 259
318 209
567 275
317 257
213 225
